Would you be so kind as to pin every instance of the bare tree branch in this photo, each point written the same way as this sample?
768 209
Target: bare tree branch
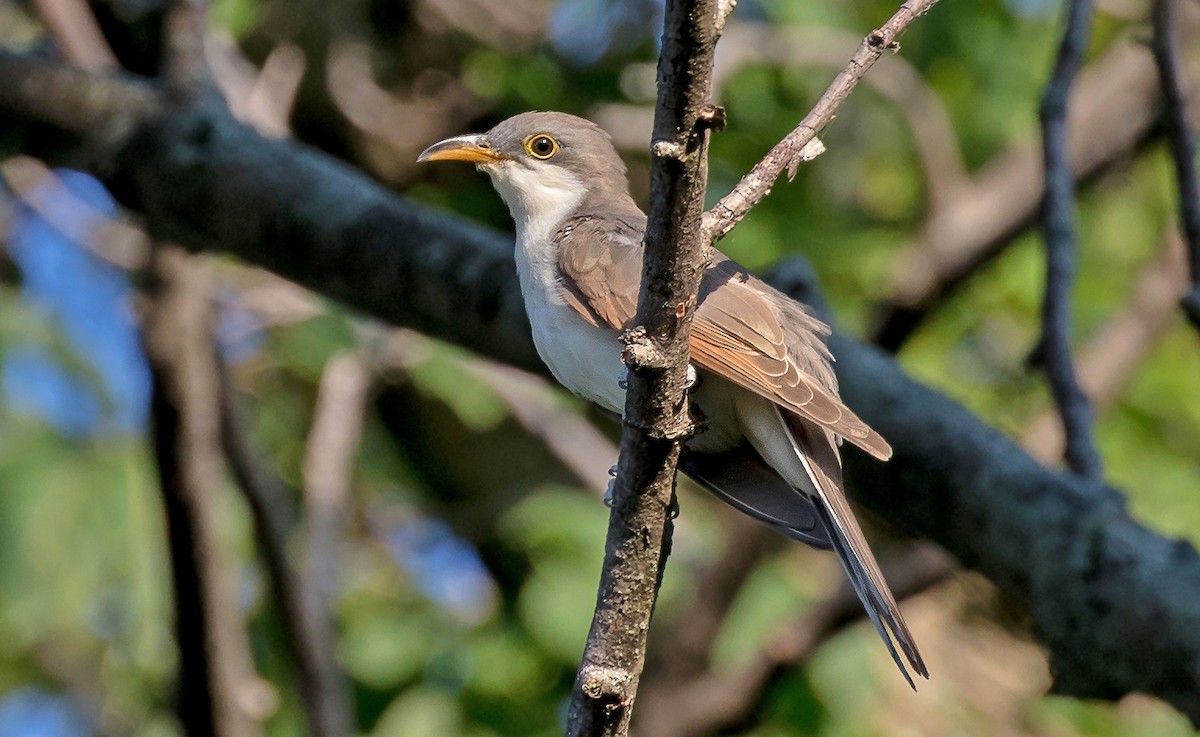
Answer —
322 694
1111 600
1183 149
580 446
1107 362
895 79
329 463
186 68
656 419
219 693
1114 112
73 27
786 154
1058 221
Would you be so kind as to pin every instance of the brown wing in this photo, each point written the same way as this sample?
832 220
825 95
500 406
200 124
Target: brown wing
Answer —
601 268
770 344
744 330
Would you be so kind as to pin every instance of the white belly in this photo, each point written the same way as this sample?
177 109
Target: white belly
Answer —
585 359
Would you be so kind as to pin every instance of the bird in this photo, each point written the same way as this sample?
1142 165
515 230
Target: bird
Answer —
765 385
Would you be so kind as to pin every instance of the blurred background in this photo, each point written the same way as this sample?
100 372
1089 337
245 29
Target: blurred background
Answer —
444 511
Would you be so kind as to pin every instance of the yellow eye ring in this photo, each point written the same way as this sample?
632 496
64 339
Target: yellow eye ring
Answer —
541 146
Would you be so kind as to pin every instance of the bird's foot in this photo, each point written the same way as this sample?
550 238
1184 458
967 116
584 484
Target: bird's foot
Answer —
623 381
611 490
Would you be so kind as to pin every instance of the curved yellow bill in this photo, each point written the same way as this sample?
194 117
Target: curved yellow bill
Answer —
473 148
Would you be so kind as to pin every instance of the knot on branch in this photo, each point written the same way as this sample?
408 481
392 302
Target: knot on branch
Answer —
662 149
880 39
641 352
678 429
609 686
711 117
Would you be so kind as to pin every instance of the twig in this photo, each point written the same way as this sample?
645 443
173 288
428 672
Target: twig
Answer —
579 445
1183 150
786 154
72 25
1109 359
322 695
219 694
119 243
1058 222
896 80
186 68
1114 115
263 97
328 469
656 419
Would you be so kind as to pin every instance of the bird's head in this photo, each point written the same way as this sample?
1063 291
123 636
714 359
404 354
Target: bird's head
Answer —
544 164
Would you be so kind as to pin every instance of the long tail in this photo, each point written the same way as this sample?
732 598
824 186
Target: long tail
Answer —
806 456
817 451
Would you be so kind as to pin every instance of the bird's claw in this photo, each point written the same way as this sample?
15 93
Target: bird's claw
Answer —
610 491
623 381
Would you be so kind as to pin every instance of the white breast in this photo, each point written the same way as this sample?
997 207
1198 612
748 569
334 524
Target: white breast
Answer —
583 358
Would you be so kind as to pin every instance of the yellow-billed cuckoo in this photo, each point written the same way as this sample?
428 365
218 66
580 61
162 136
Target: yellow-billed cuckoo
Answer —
767 388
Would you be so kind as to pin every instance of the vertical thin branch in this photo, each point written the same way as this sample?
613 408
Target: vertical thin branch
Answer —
656 417
186 68
322 695
72 25
1058 222
329 464
328 469
1183 149
219 693
1111 357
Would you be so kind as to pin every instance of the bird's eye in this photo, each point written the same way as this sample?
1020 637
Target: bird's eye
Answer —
541 146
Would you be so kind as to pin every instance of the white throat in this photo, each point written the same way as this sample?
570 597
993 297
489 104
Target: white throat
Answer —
586 359
539 199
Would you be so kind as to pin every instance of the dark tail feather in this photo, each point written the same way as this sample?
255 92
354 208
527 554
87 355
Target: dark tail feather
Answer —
742 479
880 607
817 450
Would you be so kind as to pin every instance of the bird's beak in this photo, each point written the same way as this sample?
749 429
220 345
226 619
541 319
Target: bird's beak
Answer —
474 148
